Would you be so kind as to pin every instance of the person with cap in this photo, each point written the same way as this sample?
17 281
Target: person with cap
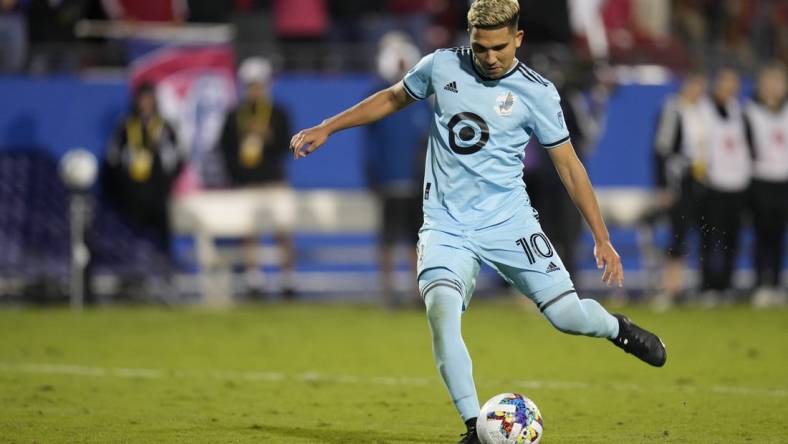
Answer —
254 144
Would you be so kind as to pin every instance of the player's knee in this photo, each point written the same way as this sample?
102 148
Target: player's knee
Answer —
440 290
441 302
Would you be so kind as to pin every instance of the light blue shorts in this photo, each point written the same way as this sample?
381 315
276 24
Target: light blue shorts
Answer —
517 249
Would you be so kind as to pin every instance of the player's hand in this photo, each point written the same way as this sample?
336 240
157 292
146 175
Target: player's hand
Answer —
608 259
308 140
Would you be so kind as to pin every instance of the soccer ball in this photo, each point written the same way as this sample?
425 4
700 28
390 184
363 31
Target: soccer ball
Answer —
509 418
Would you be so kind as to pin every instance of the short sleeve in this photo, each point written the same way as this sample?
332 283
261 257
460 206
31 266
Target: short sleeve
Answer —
548 121
418 81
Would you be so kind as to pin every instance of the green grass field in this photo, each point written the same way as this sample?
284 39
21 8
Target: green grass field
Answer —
307 373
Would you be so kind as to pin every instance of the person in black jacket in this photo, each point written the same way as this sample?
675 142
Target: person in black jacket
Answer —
141 165
255 145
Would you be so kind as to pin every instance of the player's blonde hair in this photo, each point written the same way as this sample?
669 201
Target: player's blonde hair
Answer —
491 14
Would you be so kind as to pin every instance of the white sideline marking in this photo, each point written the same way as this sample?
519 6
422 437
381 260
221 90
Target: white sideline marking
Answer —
312 376
136 373
728 390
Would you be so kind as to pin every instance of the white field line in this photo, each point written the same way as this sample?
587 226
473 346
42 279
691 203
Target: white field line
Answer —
313 377
147 373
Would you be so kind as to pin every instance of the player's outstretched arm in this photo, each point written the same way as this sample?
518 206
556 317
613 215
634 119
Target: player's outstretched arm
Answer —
369 110
575 179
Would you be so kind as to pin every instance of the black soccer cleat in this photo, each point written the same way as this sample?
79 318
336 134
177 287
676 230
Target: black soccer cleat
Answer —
470 437
639 342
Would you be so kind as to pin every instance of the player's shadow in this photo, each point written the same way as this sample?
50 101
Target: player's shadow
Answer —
333 436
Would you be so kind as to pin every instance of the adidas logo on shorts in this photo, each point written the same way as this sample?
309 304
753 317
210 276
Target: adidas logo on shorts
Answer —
552 267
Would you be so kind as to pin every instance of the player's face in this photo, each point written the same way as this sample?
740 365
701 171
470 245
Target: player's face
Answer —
494 49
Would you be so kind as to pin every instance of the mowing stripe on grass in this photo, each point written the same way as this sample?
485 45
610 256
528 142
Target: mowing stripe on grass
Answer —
261 376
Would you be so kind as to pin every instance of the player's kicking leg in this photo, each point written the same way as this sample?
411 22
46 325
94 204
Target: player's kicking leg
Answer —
573 315
521 252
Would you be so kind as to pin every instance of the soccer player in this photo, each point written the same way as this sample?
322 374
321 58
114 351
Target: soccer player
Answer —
487 106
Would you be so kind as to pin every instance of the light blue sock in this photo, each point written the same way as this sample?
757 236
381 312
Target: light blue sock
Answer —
581 317
444 311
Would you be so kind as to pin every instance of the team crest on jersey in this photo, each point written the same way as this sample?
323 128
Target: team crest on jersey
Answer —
504 104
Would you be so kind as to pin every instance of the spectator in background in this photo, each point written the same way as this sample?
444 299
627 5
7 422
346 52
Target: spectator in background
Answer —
585 17
680 133
210 11
448 23
146 10
255 145
413 17
52 34
723 166
302 25
652 19
546 22
13 35
779 28
141 165
301 20
769 20
745 32
348 19
395 148
767 125
689 25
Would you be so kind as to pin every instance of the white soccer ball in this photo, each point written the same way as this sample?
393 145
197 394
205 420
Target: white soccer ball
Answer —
509 418
78 169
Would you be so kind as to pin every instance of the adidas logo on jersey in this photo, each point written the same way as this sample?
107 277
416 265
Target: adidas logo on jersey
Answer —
552 267
451 86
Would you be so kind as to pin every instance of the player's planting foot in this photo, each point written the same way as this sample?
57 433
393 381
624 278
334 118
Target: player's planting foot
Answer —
470 437
639 342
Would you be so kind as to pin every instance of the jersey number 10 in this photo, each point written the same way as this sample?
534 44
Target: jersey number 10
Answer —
539 244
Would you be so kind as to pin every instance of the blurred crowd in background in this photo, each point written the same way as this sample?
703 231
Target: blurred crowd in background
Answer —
340 35
721 162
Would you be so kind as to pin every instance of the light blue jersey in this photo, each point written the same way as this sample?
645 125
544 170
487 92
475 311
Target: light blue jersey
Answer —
473 172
